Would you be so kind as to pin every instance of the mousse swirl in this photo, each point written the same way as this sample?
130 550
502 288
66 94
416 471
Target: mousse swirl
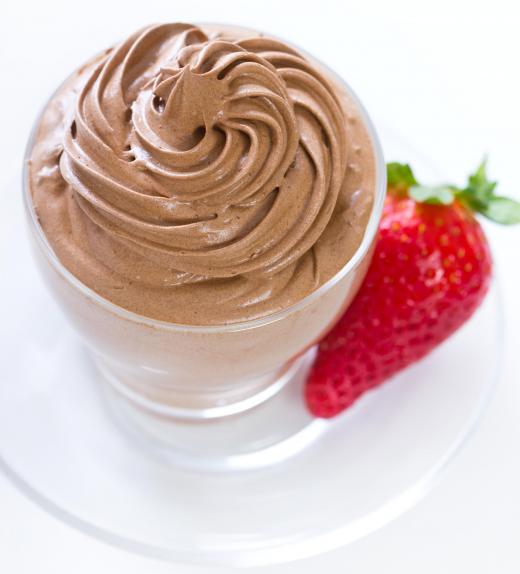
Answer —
197 158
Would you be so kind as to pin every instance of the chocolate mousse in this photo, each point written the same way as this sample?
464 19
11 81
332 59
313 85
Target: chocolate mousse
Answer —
202 176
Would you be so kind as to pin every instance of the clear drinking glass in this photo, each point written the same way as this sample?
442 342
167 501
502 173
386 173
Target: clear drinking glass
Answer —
204 372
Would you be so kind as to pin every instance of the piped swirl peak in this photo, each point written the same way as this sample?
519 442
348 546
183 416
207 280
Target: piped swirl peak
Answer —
226 157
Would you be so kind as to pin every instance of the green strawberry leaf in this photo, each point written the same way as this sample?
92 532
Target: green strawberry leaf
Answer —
400 174
479 184
437 195
502 210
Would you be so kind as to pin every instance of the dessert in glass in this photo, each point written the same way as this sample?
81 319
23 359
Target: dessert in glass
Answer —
203 201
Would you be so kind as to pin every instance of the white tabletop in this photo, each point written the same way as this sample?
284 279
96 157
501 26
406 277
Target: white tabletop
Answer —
445 75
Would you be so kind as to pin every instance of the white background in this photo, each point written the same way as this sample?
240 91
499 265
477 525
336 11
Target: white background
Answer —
445 75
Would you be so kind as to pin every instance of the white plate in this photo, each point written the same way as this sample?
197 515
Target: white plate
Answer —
321 488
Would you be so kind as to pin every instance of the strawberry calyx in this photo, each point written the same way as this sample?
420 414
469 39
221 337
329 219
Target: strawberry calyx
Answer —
478 195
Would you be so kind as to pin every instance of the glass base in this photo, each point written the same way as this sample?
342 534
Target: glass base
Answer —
229 437
143 406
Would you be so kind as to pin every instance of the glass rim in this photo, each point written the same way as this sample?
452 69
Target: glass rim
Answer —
362 250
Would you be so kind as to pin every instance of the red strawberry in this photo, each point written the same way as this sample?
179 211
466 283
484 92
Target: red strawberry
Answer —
431 270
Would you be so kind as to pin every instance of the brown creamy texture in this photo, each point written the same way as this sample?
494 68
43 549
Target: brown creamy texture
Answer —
202 176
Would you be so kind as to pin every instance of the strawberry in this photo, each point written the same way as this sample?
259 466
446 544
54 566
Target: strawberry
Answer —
430 271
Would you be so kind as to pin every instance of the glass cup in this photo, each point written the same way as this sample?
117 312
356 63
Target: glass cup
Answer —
204 372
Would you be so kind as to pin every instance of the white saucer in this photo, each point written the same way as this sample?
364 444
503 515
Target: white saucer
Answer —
288 496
